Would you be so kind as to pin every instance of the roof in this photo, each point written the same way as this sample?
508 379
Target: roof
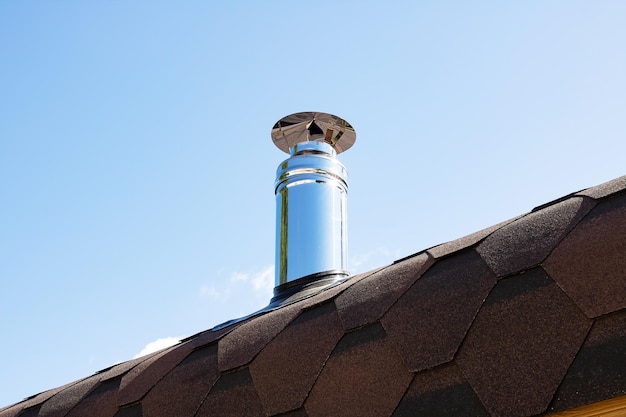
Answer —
520 319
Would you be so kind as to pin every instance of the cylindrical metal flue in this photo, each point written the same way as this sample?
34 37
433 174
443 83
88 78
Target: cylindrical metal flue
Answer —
311 198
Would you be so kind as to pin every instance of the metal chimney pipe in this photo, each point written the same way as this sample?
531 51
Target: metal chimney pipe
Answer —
311 200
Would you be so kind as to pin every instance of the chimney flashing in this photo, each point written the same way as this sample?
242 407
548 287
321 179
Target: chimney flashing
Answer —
304 287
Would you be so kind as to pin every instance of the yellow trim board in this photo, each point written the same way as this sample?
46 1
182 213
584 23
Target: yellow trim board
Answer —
615 407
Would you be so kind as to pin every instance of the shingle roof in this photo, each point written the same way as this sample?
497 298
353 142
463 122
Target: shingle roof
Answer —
521 319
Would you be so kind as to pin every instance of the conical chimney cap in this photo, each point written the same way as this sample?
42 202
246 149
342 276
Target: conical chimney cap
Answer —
313 126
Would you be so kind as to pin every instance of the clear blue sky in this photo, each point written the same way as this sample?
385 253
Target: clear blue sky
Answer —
137 169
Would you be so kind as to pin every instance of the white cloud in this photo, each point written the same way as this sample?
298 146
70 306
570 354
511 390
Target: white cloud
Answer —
158 344
375 258
262 281
258 284
210 291
237 294
239 277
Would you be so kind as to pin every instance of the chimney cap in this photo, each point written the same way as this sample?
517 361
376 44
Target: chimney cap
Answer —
313 126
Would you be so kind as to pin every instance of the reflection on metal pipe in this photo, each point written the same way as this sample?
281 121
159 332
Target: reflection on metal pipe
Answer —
311 198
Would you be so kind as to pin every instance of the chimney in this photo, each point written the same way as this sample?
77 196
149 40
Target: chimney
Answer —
311 195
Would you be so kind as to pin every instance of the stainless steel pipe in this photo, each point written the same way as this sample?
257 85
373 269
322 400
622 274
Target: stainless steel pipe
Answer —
311 213
311 191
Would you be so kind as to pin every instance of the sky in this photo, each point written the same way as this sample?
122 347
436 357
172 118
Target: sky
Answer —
137 168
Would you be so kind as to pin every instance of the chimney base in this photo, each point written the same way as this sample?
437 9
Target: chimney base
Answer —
306 286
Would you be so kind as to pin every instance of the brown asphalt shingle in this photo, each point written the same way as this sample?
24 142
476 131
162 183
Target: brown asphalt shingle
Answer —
10 411
58 405
364 376
296 413
448 248
441 392
101 402
599 367
31 412
232 395
36 400
589 263
139 380
134 410
181 392
604 190
527 241
516 354
429 322
520 319
123 368
241 345
284 373
367 300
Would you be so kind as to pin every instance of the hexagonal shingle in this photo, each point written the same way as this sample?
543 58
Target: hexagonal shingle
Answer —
465 242
599 367
440 392
241 345
367 300
364 377
64 401
590 263
525 320
606 189
183 389
528 241
139 380
101 402
232 395
286 369
428 322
